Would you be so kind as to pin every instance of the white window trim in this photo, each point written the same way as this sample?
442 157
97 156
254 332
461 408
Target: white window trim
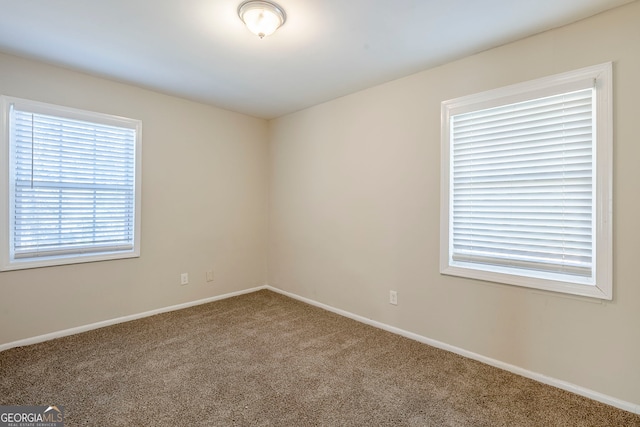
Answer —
6 264
602 287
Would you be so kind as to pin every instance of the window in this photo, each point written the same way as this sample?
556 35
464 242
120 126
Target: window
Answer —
70 185
526 184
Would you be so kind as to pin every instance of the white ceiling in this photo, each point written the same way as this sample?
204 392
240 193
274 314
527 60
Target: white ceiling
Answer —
199 49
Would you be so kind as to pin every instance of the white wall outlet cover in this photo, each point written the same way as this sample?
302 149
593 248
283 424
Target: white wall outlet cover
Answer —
393 297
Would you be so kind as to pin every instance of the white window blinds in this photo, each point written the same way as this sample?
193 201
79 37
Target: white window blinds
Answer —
522 186
72 186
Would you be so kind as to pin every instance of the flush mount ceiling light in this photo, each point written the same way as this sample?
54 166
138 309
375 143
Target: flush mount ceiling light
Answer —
262 18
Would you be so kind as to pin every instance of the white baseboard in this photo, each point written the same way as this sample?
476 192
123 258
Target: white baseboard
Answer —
85 328
564 385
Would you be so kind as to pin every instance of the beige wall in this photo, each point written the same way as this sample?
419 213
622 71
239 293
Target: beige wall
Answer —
354 212
204 199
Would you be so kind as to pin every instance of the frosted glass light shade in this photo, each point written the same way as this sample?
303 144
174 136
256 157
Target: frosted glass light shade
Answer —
262 18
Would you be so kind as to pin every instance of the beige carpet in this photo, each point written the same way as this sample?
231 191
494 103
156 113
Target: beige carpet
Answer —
266 360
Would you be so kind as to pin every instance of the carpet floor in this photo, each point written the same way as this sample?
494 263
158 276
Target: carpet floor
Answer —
263 359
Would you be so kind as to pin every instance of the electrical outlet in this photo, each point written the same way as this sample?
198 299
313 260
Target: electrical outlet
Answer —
210 276
393 297
184 279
